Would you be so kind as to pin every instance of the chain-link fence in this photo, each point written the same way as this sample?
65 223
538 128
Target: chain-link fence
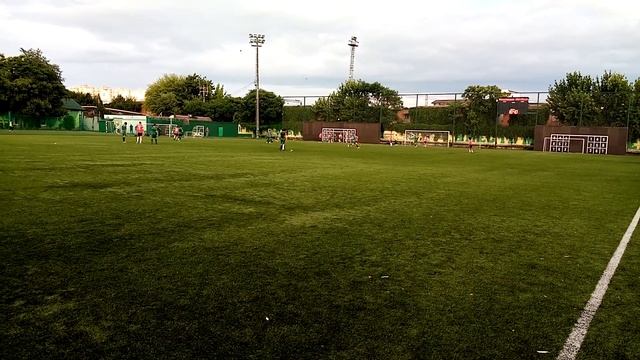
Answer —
450 111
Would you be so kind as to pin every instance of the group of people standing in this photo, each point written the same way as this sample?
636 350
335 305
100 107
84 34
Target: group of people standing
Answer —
139 132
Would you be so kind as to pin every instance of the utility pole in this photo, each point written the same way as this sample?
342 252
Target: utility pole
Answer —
204 91
256 40
353 43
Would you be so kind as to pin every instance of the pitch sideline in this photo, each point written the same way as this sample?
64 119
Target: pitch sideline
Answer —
579 331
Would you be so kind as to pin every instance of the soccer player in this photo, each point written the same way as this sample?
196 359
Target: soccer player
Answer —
139 132
355 141
10 125
123 131
176 131
283 139
154 134
470 144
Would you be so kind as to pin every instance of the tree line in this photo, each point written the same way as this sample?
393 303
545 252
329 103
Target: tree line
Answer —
30 85
198 96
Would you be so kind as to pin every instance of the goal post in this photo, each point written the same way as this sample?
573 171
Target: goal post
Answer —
427 137
110 127
337 134
198 131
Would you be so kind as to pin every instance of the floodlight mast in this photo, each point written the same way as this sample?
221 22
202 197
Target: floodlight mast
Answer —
256 40
354 44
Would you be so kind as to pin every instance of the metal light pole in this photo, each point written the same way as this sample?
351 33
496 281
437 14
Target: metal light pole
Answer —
353 43
256 40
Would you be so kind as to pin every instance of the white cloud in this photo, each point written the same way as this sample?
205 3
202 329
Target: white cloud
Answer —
410 46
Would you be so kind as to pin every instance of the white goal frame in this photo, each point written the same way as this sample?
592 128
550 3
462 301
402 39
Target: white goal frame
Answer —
410 137
197 131
590 144
110 127
337 134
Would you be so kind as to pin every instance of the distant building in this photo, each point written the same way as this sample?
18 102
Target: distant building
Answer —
192 117
447 102
107 94
403 115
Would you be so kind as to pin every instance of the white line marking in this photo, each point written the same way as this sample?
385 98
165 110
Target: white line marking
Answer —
574 341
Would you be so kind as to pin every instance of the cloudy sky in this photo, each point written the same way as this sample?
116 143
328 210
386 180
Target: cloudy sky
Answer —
410 46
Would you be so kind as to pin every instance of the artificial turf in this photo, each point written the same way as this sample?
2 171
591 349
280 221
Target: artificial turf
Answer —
233 249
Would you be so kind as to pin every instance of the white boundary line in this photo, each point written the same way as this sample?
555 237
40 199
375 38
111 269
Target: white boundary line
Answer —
574 341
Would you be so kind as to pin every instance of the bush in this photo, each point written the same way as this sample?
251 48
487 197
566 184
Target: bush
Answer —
431 115
294 116
68 123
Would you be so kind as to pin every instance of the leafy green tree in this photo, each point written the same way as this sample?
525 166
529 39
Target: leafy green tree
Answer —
4 85
218 92
613 95
571 99
604 101
84 99
125 103
191 86
168 104
30 85
226 108
481 107
161 97
219 109
271 106
178 94
195 107
482 101
359 101
634 116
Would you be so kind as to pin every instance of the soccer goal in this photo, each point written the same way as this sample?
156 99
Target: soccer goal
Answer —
427 138
164 129
337 134
198 131
110 127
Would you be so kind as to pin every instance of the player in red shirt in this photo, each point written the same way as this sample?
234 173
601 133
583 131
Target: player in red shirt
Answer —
139 132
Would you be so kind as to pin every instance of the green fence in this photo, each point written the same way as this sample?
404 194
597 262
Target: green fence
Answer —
71 121
213 129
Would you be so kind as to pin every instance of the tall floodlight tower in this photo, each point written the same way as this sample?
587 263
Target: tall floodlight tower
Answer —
354 44
256 40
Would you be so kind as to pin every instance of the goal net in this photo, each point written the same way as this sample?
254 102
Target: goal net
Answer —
164 129
337 135
110 127
197 131
427 138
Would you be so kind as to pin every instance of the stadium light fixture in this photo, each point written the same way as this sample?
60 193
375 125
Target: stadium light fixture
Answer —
353 43
256 40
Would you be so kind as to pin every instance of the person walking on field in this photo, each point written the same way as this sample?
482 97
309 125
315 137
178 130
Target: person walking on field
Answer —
139 132
283 139
123 131
154 134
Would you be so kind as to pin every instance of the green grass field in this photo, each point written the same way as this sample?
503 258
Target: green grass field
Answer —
232 249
